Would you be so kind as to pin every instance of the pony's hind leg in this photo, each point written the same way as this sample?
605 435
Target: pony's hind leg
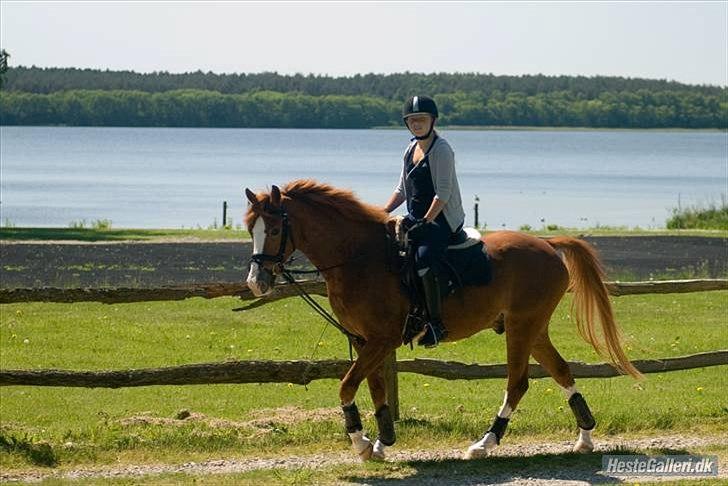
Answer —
518 341
545 353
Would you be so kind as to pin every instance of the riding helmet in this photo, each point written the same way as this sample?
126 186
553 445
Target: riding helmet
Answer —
418 105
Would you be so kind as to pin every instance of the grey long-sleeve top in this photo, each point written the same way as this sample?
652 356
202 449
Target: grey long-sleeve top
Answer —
444 180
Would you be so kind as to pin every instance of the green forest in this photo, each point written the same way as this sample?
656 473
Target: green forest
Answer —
86 97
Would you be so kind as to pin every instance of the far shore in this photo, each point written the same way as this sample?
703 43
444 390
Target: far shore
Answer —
511 128
481 128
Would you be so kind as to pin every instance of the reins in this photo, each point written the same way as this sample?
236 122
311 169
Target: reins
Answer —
317 270
323 312
288 276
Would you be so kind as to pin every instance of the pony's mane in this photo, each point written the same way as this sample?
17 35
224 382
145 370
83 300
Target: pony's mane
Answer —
341 201
322 196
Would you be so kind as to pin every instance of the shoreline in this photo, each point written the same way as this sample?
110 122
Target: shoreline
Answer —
533 128
483 128
61 236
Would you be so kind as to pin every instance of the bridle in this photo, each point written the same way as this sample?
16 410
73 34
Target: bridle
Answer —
277 259
279 267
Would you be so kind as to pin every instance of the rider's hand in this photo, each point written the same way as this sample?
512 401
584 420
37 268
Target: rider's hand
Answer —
409 221
418 230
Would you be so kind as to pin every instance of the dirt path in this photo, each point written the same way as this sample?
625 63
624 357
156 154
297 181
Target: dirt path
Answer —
128 264
587 471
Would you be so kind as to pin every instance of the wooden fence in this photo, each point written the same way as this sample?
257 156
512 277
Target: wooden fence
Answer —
211 291
303 372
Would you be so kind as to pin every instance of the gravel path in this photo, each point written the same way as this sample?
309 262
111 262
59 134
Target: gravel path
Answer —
558 474
136 264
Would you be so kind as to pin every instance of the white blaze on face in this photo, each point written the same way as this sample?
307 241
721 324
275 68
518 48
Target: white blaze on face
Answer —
258 245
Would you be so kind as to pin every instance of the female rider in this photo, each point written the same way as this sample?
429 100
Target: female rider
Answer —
429 185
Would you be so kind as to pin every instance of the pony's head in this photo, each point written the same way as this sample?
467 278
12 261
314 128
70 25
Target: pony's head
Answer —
267 222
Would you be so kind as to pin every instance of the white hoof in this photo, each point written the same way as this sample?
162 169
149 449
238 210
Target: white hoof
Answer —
378 453
367 453
584 444
582 447
483 447
361 445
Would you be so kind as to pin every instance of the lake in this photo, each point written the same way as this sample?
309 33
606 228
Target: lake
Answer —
179 177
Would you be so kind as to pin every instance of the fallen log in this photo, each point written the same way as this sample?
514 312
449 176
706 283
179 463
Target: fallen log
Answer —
127 295
299 372
459 371
666 286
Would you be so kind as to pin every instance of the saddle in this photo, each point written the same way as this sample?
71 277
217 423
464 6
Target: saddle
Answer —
466 263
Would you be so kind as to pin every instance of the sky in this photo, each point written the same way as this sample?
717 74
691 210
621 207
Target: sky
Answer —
682 41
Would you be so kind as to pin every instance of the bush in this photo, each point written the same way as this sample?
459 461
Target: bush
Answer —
695 217
101 224
81 224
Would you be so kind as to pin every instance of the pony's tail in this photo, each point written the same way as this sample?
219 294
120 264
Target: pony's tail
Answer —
591 301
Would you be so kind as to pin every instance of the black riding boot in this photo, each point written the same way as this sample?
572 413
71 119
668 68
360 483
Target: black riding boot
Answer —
434 330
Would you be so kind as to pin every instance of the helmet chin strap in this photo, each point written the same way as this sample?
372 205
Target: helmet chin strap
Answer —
426 136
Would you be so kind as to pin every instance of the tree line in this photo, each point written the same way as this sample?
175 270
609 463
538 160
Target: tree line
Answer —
395 86
204 108
68 96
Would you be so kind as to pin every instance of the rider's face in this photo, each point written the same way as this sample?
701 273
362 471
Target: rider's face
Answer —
419 125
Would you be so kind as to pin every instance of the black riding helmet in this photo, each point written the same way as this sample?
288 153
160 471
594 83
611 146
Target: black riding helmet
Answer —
420 105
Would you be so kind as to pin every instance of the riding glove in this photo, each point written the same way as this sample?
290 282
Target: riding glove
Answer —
409 221
419 230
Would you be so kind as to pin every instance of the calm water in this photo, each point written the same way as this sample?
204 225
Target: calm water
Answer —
172 178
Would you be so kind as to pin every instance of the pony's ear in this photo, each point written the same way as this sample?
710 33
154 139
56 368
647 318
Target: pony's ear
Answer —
275 196
251 196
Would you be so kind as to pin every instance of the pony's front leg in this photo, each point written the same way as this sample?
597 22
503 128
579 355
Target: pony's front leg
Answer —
359 441
370 359
385 423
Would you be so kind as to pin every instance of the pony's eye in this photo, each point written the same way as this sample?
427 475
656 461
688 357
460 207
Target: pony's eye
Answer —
275 231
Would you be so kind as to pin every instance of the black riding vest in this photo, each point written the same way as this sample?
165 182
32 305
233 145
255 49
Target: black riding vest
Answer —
418 184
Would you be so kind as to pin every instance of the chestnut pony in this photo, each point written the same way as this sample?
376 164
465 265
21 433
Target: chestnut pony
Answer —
346 239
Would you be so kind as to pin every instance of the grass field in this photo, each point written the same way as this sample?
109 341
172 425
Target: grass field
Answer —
66 426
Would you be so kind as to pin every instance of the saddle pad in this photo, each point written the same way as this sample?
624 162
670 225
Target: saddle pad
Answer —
473 239
471 265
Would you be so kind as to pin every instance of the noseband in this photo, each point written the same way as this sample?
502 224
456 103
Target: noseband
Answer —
277 259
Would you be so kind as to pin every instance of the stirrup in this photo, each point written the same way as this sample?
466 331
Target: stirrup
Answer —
432 335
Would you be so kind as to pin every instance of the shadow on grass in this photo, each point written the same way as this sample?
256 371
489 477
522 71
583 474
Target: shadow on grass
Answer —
495 469
38 453
252 305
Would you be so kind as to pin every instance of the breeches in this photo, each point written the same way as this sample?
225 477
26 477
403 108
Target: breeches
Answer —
432 246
